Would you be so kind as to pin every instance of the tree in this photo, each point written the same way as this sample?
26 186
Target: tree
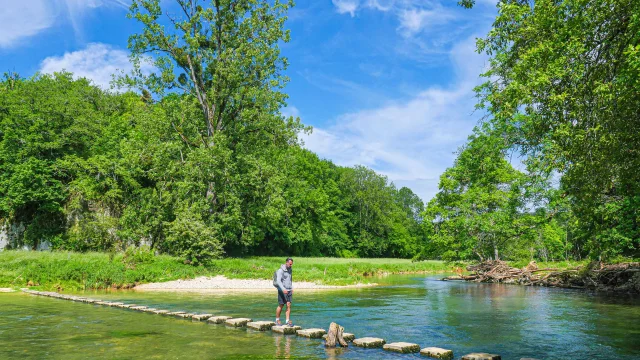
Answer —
562 87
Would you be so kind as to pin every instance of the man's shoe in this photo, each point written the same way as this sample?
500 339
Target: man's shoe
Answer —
278 323
290 324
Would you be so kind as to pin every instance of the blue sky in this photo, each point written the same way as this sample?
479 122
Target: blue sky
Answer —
385 83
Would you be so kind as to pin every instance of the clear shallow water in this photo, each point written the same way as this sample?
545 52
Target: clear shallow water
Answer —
508 320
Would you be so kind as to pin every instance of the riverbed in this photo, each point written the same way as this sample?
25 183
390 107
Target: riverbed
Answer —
513 321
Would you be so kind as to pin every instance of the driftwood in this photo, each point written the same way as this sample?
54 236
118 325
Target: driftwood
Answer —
623 277
334 337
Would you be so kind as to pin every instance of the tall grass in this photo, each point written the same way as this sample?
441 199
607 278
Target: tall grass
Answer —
78 271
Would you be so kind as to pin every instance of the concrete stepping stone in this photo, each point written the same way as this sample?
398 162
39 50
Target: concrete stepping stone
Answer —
402 347
311 333
237 322
92 301
161 312
346 336
369 342
261 325
138 308
175 313
116 304
437 353
201 317
285 330
127 306
9 290
101 303
218 319
481 356
149 310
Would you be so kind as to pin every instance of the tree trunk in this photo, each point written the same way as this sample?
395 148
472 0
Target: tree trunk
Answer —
334 337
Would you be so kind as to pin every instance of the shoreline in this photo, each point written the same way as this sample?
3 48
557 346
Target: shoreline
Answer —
221 283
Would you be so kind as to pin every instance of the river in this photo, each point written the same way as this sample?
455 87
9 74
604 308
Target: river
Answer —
513 321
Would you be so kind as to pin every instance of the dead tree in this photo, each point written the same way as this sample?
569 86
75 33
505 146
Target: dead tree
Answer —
334 337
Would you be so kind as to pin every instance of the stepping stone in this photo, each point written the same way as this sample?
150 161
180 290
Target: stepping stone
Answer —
481 356
369 342
286 330
346 336
92 301
186 315
176 313
402 347
237 322
201 317
311 333
261 325
161 312
437 353
149 310
8 290
116 304
101 303
218 319
138 307
127 306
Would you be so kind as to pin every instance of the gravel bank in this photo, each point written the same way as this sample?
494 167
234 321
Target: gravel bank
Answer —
221 283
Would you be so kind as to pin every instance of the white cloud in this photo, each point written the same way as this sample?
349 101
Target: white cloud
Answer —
413 21
290 111
411 141
346 6
20 20
23 19
96 62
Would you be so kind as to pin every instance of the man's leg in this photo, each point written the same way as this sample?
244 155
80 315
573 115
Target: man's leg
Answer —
288 311
278 311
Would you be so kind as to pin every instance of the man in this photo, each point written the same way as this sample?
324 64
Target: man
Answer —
285 290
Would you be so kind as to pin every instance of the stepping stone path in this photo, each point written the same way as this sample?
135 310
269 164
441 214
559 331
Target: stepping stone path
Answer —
261 325
402 347
345 336
369 342
218 319
481 356
201 317
6 290
311 333
365 342
437 353
286 330
237 322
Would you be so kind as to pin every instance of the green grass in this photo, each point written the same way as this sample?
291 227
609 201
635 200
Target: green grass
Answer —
78 271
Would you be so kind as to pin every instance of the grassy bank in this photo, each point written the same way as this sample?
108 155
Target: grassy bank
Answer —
77 271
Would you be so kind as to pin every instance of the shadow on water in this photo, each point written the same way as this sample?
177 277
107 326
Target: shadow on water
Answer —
513 321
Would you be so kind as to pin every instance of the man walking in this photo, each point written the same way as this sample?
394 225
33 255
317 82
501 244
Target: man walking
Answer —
285 290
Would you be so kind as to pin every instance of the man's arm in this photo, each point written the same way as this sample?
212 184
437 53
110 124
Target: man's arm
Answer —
279 280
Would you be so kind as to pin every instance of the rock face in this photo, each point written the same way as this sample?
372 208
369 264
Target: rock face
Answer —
201 317
261 325
218 319
311 333
481 356
369 342
286 330
402 347
437 353
237 322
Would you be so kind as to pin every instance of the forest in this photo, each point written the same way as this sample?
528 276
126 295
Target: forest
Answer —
195 159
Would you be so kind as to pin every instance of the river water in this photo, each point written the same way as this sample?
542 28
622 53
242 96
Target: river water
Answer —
512 321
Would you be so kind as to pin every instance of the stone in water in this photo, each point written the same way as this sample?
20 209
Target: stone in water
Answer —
286 330
237 322
261 325
311 333
402 347
201 317
345 336
481 356
218 319
437 353
369 342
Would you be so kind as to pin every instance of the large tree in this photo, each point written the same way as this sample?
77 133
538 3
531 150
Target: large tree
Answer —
562 87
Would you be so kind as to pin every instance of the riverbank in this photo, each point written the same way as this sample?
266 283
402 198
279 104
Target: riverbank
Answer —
69 271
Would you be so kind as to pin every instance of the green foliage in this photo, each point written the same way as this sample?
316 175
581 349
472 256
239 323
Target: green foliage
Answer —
563 89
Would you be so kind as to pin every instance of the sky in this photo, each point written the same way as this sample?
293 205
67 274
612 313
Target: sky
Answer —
387 84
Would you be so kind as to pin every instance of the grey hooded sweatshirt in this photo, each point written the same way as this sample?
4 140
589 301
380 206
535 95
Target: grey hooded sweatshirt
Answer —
283 276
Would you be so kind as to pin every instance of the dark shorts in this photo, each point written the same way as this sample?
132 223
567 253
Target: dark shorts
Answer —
284 298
